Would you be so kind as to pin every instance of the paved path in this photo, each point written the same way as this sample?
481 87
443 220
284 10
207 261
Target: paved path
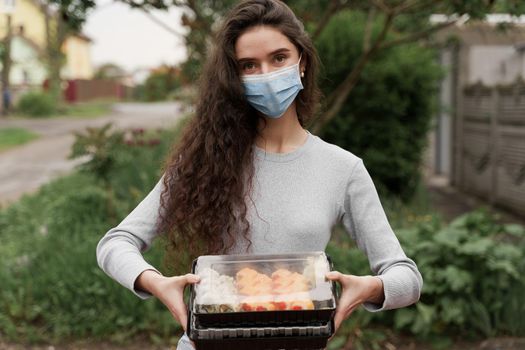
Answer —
24 169
451 203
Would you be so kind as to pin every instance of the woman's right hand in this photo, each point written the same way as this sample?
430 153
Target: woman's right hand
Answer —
169 290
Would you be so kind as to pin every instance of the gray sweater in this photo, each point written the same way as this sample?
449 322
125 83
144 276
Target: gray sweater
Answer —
298 197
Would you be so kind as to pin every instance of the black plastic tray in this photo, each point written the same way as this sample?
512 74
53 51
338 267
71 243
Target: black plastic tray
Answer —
263 318
260 338
258 332
311 343
277 343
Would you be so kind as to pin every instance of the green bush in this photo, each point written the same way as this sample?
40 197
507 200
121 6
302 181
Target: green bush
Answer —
36 104
102 146
159 85
124 162
473 286
386 117
473 272
52 288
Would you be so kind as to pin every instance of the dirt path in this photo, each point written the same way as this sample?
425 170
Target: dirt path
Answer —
24 169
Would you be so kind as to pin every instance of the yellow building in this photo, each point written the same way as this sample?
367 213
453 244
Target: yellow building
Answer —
28 21
78 63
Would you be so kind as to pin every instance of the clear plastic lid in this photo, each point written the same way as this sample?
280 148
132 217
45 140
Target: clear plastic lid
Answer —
244 283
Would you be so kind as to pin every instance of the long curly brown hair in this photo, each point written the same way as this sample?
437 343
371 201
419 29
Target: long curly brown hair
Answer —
208 176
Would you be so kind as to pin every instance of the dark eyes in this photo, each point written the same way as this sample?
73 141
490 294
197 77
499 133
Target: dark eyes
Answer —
249 67
280 58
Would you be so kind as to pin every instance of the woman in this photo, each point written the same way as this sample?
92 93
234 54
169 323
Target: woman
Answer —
246 177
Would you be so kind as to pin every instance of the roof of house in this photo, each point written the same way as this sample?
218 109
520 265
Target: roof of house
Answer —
82 36
480 33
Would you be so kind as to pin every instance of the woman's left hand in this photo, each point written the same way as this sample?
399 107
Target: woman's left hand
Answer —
355 291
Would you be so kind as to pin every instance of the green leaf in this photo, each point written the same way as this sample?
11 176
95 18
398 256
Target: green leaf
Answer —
477 247
404 317
509 252
504 266
480 317
453 311
451 237
456 278
426 312
514 229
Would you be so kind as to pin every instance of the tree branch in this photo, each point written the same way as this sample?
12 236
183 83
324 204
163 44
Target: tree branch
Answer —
333 7
418 35
199 16
162 24
368 28
344 89
413 5
145 4
382 6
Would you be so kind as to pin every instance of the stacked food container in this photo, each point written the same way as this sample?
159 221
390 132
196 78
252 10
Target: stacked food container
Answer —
262 302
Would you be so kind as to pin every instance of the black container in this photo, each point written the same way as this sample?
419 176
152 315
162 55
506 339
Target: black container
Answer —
310 343
260 338
322 313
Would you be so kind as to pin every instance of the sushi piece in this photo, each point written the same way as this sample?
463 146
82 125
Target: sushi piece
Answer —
255 304
301 305
286 282
216 292
250 282
285 290
294 301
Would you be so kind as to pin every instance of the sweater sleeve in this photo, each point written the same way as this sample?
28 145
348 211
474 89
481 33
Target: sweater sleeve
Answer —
366 222
119 250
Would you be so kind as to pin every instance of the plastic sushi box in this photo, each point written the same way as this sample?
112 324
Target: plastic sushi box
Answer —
262 302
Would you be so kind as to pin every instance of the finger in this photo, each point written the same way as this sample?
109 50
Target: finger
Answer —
188 278
192 278
334 275
339 277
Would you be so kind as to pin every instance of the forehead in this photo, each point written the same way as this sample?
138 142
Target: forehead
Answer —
259 41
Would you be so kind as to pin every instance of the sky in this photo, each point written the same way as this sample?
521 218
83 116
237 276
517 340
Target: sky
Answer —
128 38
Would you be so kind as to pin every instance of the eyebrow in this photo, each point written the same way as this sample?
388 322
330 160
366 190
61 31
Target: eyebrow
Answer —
281 50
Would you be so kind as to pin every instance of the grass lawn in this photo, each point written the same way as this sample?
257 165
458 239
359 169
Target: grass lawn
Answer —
91 109
11 137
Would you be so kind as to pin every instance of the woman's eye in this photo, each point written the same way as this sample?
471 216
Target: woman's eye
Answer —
248 66
280 59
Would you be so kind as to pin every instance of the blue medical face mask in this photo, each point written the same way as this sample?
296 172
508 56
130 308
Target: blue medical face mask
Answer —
272 93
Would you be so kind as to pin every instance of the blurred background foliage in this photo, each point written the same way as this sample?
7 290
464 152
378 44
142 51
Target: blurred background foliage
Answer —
388 115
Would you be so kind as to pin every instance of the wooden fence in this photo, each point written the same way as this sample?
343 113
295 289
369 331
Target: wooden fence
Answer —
82 90
491 139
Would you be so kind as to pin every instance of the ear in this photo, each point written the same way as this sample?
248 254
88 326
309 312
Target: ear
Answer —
302 66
